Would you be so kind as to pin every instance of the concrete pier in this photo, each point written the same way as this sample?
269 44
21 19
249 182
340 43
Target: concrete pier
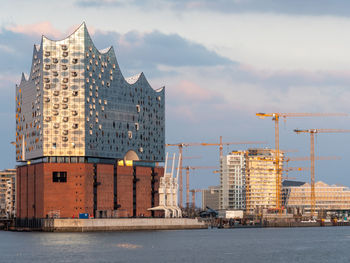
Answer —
122 224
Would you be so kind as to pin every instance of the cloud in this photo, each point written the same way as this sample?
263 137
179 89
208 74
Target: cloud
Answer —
15 52
149 51
192 91
294 7
235 89
38 29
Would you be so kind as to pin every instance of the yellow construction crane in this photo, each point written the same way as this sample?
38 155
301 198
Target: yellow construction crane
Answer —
312 133
188 168
194 191
275 117
307 158
182 145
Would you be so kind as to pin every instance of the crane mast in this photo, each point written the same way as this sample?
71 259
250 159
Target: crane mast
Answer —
182 145
275 117
312 133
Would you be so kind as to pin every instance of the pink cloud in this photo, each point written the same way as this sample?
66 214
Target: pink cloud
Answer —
42 28
183 113
190 90
47 29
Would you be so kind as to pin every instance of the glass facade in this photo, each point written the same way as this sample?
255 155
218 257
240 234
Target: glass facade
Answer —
76 102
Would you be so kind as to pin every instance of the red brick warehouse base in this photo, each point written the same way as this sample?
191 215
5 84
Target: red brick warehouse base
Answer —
102 190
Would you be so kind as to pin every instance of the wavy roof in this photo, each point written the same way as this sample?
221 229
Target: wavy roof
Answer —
106 51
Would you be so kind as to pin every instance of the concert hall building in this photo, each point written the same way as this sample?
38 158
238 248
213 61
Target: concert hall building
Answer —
88 139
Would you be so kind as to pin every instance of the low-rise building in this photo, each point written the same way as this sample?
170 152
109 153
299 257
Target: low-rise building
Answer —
328 197
211 197
7 193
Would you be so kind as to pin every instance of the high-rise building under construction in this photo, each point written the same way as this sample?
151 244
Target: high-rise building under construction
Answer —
248 180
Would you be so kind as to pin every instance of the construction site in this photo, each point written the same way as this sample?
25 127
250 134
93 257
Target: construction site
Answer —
255 188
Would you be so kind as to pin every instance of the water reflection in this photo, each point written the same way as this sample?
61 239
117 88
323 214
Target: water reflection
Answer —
248 245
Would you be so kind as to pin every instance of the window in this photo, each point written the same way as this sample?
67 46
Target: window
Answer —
59 177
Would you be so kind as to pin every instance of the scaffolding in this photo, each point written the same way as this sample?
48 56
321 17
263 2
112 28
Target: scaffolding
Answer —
261 179
249 180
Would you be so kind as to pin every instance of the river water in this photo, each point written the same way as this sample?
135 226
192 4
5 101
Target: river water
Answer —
314 244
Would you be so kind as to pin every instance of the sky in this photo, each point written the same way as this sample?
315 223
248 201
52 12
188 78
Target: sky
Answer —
220 61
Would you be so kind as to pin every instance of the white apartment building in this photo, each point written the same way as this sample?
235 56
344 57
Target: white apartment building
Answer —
232 181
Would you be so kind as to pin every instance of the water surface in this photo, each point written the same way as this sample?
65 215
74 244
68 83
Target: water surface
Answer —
316 244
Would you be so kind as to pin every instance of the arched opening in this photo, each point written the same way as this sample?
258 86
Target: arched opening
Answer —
131 156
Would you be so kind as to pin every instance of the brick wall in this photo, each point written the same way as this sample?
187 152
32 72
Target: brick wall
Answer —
71 197
105 190
37 194
125 191
143 191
